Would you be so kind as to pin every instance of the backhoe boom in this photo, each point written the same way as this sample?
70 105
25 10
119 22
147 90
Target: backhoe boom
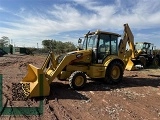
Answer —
123 53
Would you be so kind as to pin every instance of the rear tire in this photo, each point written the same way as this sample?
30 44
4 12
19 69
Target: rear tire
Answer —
114 73
77 80
155 62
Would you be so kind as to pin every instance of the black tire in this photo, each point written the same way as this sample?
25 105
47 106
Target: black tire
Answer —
155 62
143 61
77 80
114 73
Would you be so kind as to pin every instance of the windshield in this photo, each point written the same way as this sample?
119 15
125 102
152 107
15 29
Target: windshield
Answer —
89 43
139 46
144 46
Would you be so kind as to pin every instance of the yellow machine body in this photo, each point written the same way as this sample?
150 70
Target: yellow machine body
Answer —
76 65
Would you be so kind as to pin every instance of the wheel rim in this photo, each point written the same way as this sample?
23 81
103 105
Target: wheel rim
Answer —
115 72
79 81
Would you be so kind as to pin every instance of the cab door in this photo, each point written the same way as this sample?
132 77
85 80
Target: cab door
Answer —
107 45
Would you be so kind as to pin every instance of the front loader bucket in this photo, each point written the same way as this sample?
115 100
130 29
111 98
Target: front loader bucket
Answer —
35 84
130 65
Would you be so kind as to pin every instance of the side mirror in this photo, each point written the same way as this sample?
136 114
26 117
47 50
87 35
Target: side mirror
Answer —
79 40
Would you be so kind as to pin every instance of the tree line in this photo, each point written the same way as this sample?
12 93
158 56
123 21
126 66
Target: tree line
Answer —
58 46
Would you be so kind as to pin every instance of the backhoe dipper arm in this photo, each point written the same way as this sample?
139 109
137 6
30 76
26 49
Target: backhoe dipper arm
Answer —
128 37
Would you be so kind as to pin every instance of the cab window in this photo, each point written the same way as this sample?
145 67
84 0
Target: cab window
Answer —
103 47
114 48
84 44
91 42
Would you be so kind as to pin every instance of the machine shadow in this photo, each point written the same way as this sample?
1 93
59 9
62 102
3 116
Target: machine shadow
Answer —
59 90
63 91
127 82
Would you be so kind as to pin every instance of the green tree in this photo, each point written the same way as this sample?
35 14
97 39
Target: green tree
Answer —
69 46
58 46
46 43
4 41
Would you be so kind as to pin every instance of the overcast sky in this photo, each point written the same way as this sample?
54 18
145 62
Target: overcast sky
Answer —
28 22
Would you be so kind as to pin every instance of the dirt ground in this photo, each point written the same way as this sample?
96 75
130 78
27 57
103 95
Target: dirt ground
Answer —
136 98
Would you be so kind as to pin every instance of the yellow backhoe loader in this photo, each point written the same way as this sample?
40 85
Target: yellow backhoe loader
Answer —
100 57
145 55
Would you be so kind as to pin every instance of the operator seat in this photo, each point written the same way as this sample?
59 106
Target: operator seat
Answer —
103 51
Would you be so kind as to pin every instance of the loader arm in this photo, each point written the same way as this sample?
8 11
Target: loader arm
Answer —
51 74
122 53
39 78
49 58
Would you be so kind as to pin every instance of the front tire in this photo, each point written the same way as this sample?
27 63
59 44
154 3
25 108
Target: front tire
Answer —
114 73
77 80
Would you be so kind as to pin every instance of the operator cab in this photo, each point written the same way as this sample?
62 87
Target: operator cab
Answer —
146 47
102 44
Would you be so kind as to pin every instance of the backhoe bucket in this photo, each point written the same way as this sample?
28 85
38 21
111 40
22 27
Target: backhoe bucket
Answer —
130 65
128 61
35 84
